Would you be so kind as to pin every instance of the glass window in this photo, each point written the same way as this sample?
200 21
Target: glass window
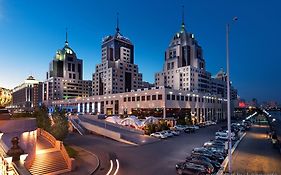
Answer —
178 97
124 99
142 98
148 97
129 98
182 98
159 96
173 97
138 98
153 97
168 97
133 98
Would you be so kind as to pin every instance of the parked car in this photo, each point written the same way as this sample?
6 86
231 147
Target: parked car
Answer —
158 135
223 133
223 137
214 142
191 169
215 164
179 127
189 130
168 133
207 153
201 125
192 126
206 165
217 150
175 132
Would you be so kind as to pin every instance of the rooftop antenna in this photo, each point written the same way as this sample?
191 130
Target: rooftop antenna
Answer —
117 23
182 19
66 37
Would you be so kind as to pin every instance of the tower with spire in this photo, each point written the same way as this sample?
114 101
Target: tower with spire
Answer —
64 80
117 73
184 66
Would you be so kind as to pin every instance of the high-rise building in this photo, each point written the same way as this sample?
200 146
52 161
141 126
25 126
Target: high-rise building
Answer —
65 77
28 95
184 67
117 73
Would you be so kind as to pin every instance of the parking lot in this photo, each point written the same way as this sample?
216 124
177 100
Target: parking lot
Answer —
155 158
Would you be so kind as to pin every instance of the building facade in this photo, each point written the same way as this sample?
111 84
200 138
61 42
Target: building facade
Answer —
28 95
117 73
219 86
157 101
184 67
64 79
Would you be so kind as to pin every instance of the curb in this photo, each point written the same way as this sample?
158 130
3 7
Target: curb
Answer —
95 169
225 162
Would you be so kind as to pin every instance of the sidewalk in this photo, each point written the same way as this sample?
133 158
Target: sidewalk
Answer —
255 154
86 162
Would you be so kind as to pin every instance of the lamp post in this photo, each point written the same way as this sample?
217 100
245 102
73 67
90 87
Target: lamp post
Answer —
228 98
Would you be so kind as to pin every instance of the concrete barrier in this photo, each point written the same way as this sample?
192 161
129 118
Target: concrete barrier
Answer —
101 131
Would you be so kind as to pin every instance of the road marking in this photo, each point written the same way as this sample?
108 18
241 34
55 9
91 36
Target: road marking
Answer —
117 168
111 166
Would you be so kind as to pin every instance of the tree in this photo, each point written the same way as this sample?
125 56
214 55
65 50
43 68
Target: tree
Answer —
59 128
149 128
42 118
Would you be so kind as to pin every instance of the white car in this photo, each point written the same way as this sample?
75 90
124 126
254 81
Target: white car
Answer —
224 137
208 123
175 132
192 127
158 135
167 133
224 134
179 127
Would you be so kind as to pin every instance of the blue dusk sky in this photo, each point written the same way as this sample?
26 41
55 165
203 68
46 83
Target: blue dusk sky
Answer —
31 32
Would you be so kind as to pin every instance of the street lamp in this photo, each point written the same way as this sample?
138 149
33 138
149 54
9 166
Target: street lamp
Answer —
228 97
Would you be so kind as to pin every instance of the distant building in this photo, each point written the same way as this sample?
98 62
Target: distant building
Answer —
146 84
117 73
28 95
219 86
5 97
65 77
184 67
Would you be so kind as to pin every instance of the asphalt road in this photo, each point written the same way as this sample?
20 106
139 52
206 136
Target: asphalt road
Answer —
256 155
149 159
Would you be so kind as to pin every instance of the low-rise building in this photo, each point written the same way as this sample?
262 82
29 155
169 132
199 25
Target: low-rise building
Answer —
28 95
157 101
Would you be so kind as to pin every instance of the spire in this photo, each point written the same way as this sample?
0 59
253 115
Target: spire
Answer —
117 23
182 20
66 37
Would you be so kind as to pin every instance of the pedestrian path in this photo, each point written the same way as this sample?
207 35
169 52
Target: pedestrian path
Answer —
255 154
